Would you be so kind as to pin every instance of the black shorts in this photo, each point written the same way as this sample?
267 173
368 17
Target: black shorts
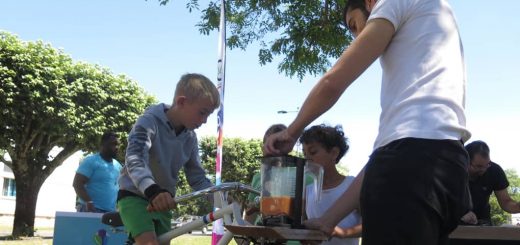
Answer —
414 192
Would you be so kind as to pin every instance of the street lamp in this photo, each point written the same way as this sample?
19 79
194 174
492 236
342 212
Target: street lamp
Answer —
285 112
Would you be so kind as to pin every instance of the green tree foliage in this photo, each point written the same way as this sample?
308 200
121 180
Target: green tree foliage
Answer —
342 169
51 107
239 164
306 35
499 216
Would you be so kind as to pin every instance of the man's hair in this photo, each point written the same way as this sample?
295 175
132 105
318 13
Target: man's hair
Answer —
329 137
196 86
477 147
354 4
107 136
275 128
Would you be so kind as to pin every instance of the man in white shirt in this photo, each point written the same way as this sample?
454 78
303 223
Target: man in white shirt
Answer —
413 189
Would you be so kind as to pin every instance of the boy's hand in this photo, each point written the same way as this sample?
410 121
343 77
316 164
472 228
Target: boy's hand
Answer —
162 202
160 199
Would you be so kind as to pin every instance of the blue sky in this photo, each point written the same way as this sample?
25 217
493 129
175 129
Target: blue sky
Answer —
155 45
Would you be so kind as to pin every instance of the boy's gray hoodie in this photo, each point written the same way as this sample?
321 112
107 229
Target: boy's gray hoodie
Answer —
155 154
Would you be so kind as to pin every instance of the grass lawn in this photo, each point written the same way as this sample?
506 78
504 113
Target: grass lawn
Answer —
195 239
185 239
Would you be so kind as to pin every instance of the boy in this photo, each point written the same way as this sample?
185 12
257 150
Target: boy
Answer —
161 142
413 190
325 146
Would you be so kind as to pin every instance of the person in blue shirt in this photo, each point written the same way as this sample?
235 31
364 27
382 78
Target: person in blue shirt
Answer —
95 181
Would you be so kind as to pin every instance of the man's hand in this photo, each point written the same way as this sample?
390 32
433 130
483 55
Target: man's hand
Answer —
349 232
161 202
89 206
470 218
279 144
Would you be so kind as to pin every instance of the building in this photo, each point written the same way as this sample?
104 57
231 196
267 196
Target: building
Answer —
56 194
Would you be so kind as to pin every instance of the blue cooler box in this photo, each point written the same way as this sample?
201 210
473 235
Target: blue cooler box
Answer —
85 229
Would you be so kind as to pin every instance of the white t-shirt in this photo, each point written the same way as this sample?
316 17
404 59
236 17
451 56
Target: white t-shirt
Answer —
423 85
328 197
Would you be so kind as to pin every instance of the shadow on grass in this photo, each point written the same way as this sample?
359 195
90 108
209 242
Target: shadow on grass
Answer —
11 238
7 238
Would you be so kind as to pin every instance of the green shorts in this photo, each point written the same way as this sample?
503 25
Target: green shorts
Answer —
137 220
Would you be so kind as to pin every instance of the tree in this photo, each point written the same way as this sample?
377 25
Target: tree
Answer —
240 162
342 169
51 107
305 34
499 216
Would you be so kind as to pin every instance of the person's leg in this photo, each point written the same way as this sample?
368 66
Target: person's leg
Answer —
162 221
451 192
137 220
146 238
400 197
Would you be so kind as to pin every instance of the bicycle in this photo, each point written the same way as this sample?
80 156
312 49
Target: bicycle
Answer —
230 212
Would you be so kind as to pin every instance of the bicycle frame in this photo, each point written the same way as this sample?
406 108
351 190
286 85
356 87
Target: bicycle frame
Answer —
224 211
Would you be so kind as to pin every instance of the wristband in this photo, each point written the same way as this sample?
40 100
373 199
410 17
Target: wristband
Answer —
92 202
152 191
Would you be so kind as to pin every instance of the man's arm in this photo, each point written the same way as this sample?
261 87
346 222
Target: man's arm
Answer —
506 202
345 204
79 186
362 52
370 44
350 232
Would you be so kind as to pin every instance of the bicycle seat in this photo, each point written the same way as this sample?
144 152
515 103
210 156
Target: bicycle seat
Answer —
112 219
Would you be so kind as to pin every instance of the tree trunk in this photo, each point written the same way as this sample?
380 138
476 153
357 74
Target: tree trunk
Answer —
28 184
30 170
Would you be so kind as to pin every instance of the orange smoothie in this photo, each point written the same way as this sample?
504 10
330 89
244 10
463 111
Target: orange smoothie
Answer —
273 206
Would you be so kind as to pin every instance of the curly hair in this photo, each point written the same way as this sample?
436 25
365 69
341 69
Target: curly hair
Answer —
329 137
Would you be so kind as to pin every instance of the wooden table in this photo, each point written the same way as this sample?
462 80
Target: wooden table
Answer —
484 235
463 235
277 233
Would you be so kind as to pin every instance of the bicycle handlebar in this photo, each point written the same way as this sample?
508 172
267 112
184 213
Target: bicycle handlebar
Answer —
229 186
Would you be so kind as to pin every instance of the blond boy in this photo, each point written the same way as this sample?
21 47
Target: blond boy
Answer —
161 142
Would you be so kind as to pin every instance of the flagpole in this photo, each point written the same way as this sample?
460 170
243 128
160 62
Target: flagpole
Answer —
218 227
